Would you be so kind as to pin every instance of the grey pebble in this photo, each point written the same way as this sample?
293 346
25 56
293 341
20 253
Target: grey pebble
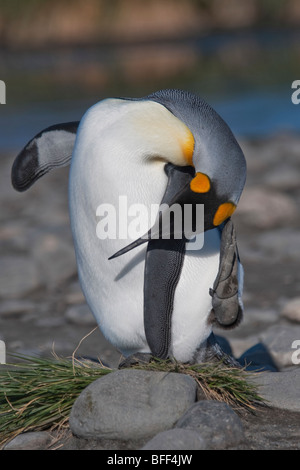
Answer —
80 315
256 319
280 243
55 258
279 339
281 389
216 422
291 310
30 441
16 306
132 404
19 275
74 294
264 208
283 177
176 439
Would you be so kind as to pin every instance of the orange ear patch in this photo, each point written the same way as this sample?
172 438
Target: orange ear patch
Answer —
188 148
200 184
223 212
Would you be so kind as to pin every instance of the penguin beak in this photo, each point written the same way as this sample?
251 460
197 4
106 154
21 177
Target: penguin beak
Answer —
164 226
192 191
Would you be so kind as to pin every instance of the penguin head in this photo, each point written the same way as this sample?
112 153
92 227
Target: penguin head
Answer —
218 161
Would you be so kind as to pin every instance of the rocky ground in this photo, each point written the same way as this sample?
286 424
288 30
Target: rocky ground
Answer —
42 307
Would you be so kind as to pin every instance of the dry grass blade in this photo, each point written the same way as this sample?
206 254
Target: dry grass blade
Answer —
216 381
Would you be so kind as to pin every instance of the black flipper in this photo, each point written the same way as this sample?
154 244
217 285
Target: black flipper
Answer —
49 149
163 263
227 307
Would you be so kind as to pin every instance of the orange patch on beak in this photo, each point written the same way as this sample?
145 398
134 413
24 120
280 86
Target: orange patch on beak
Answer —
200 184
223 212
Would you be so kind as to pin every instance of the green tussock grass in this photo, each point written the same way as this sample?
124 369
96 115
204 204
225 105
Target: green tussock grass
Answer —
38 393
216 381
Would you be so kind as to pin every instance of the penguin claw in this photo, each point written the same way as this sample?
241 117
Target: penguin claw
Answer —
135 359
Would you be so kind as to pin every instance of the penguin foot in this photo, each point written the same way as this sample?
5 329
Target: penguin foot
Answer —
212 351
135 359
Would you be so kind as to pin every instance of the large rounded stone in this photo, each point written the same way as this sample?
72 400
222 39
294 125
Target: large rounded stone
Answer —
176 439
282 343
216 422
280 389
131 404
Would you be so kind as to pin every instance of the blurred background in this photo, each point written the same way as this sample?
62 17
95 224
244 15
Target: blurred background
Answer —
59 57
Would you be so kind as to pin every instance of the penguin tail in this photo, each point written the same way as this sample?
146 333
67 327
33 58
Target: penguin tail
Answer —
49 149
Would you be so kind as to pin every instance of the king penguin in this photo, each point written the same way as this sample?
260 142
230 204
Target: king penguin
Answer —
156 295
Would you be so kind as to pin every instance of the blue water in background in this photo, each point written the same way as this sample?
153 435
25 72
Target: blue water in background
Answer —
19 125
251 112
260 114
252 115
